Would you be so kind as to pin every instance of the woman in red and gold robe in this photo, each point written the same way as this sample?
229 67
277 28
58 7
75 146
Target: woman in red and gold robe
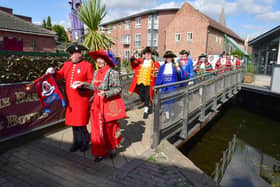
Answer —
105 136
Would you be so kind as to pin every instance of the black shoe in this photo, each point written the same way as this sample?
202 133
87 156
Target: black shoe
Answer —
150 110
145 116
113 153
74 148
84 148
98 158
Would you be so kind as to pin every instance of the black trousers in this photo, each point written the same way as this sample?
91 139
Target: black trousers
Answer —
144 93
81 135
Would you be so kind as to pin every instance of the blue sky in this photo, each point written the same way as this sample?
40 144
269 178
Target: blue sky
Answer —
245 17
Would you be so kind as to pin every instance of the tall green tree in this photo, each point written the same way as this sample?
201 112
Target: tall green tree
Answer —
44 24
49 23
61 33
91 12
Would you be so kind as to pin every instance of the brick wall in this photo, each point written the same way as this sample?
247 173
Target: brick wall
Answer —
215 42
164 18
187 19
43 43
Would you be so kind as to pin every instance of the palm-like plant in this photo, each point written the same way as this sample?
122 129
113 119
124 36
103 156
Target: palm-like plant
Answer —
91 12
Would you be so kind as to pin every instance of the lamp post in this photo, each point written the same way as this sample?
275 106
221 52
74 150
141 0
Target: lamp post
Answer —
77 25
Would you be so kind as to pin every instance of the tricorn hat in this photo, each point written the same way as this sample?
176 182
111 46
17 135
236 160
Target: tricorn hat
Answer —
202 55
182 52
150 50
107 55
75 48
169 54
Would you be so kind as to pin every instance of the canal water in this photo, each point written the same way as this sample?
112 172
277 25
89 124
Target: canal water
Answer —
254 119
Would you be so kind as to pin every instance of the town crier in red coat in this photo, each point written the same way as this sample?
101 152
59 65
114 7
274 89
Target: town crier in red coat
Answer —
145 73
77 98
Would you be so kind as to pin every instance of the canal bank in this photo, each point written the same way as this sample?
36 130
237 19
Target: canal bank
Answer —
255 119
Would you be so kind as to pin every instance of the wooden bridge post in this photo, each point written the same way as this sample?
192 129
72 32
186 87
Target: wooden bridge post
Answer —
156 125
215 101
184 132
224 89
203 104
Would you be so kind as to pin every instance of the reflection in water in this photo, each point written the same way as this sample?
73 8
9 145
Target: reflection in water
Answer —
250 167
258 131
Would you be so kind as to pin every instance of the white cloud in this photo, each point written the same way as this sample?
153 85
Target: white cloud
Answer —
37 22
171 4
129 4
269 17
213 8
122 8
65 23
252 27
260 9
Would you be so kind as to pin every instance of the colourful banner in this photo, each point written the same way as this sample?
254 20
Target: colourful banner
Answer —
21 110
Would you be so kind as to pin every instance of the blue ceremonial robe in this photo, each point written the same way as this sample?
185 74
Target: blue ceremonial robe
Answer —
174 77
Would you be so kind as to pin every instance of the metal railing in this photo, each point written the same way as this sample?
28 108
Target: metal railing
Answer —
194 100
131 100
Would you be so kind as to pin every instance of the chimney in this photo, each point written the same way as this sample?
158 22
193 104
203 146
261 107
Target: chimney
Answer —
7 10
28 19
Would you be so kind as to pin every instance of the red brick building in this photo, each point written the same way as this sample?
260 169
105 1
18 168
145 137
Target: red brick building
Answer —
169 29
17 33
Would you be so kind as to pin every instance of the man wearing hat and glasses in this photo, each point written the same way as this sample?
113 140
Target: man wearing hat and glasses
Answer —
144 78
77 111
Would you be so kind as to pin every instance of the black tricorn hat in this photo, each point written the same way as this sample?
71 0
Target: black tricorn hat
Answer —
149 50
203 55
76 48
182 52
169 54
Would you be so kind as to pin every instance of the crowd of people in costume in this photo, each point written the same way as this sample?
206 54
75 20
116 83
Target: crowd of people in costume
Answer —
107 105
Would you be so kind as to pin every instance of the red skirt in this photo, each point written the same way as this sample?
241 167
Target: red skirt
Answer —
104 136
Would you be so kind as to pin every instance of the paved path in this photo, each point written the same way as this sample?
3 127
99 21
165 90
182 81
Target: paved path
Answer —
47 162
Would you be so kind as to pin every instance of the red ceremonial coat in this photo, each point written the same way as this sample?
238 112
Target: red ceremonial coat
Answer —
104 135
228 64
77 110
238 64
219 66
136 65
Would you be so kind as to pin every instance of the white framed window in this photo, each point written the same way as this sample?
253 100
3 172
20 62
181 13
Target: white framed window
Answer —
189 36
109 29
220 40
177 37
152 42
138 22
114 27
155 39
137 40
155 21
150 21
127 25
126 39
217 38
149 39
102 29
120 26
127 53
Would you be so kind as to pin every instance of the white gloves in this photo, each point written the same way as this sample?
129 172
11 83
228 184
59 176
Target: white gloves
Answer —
50 70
